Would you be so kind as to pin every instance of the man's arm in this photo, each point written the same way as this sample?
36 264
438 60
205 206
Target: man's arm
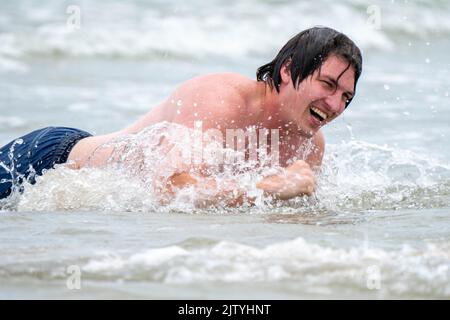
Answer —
208 191
299 178
296 180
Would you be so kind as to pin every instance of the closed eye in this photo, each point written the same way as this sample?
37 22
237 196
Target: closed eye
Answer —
328 84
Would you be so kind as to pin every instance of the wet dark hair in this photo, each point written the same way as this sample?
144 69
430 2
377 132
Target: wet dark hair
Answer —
306 52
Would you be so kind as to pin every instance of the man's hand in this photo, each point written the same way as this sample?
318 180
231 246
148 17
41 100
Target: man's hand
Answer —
296 180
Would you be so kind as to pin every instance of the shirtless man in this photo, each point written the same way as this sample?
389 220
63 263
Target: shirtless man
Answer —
307 85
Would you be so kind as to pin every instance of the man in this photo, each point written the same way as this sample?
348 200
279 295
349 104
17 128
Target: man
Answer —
308 84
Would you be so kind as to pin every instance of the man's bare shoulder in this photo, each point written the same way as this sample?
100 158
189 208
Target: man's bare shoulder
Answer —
216 83
232 77
218 98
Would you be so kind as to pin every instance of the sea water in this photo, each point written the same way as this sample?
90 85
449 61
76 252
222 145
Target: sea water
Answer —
377 227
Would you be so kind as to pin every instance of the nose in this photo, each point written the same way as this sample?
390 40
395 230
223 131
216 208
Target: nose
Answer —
334 102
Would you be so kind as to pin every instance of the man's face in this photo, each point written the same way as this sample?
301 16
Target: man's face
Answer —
319 99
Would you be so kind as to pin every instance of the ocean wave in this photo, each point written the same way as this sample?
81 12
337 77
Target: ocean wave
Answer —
12 122
406 271
305 267
7 65
302 267
357 175
173 31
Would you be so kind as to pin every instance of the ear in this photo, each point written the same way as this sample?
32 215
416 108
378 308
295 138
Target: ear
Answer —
285 72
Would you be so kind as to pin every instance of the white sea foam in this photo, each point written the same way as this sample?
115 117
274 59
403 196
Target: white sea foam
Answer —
7 65
402 271
12 122
361 175
196 31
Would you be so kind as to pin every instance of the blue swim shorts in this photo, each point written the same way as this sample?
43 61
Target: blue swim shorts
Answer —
31 155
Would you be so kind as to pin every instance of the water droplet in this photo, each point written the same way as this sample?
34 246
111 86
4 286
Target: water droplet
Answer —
179 103
195 104
178 112
195 114
386 87
406 113
427 60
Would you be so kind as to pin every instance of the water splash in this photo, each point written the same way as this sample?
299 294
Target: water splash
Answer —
12 177
359 176
355 176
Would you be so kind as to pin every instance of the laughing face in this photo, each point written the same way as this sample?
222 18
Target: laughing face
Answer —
319 99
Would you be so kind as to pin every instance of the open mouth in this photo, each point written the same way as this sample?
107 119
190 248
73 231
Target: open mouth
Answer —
319 115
